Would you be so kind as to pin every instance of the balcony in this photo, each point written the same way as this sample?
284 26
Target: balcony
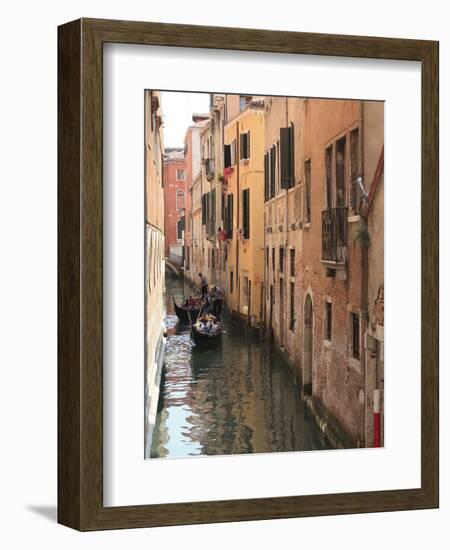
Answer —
334 236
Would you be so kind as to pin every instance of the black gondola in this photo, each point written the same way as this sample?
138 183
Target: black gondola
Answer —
183 312
205 338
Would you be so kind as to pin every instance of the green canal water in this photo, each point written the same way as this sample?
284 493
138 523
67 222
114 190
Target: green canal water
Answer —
236 398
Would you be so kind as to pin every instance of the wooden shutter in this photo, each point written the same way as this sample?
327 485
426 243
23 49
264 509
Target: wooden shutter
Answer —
248 145
273 153
204 206
213 205
233 152
227 156
266 177
292 154
230 214
286 157
246 213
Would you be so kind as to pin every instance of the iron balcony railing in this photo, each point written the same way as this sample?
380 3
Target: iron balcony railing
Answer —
334 234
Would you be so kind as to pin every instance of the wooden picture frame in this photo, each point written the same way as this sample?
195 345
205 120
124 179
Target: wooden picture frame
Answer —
80 272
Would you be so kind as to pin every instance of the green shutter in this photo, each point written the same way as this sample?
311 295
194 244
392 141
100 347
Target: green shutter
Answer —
227 156
266 177
286 158
273 155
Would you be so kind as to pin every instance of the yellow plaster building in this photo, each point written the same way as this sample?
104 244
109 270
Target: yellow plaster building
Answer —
244 211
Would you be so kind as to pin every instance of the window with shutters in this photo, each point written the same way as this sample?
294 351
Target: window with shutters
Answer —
328 321
244 146
272 171
340 172
329 176
292 307
355 333
231 283
204 209
277 167
273 260
266 178
233 152
292 254
354 169
308 191
228 219
246 213
287 157
281 259
227 156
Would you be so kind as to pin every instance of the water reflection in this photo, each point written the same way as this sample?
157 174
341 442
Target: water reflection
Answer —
233 399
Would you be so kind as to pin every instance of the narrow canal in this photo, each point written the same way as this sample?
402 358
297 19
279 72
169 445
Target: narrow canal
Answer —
236 398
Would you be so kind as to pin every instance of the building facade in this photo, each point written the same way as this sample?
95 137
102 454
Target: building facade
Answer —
193 234
174 205
154 261
242 211
283 219
320 157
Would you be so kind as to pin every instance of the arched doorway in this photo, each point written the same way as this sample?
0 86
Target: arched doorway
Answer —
307 345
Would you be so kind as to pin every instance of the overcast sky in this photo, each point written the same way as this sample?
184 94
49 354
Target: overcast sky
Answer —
177 109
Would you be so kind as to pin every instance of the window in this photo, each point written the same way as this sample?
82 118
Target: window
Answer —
180 174
273 260
340 172
246 292
292 307
246 213
231 282
355 335
308 191
354 168
329 175
228 219
328 321
267 258
244 100
281 259
204 208
233 152
272 171
266 178
213 259
180 228
180 199
292 253
244 146
287 160
227 156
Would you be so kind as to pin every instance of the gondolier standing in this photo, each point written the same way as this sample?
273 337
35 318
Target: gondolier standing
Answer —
218 301
204 285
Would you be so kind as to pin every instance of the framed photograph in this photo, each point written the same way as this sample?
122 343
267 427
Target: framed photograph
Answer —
234 205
